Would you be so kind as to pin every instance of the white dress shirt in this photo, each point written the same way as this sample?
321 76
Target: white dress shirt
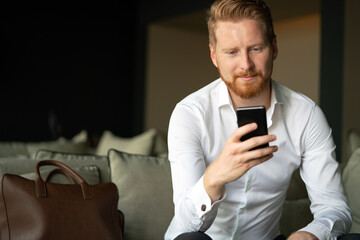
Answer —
251 208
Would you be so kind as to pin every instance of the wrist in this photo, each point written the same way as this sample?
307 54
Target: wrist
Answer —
214 189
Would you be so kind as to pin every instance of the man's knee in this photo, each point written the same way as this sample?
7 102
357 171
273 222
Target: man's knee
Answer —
350 236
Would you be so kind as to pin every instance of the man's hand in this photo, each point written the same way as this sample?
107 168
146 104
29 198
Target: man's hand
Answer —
236 159
302 235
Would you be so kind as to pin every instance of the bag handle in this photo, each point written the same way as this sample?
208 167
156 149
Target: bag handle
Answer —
59 171
40 186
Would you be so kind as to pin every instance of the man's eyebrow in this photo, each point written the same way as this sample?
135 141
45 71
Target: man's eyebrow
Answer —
261 44
258 44
229 49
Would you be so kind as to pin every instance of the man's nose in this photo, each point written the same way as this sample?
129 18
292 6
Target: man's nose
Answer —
246 62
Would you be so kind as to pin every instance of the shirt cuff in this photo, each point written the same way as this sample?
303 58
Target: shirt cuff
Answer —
202 201
319 230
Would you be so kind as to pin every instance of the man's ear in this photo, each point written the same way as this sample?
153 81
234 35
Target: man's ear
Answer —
212 55
275 49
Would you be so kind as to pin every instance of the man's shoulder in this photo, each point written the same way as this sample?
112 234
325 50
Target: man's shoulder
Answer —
203 97
292 98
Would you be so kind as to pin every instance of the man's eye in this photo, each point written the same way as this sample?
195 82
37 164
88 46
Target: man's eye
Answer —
256 49
233 52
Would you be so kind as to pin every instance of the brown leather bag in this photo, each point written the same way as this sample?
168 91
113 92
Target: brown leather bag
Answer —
43 210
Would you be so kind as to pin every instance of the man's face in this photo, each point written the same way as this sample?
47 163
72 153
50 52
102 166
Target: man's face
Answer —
243 56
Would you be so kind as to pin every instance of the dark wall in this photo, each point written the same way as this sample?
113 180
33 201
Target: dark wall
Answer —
71 65
65 69
332 67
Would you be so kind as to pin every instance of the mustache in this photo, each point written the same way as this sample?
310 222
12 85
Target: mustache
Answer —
248 74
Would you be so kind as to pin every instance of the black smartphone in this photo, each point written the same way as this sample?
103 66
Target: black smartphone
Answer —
256 114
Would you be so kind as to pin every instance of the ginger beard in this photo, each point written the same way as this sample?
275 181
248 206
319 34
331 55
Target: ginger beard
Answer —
246 90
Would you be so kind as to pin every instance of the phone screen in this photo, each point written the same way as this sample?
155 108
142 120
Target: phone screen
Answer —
256 114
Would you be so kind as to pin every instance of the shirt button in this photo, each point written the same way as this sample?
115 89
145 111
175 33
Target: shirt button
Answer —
203 207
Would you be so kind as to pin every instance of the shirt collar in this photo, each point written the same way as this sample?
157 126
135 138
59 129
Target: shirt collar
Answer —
223 95
276 98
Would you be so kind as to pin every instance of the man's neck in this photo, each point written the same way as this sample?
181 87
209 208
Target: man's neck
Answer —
263 99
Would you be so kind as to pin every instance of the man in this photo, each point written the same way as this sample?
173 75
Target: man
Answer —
221 186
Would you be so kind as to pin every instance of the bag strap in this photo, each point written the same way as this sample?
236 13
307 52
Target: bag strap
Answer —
40 186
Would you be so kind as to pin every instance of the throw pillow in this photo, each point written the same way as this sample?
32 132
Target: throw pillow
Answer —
81 137
26 168
89 173
160 146
140 144
353 142
78 160
351 181
145 193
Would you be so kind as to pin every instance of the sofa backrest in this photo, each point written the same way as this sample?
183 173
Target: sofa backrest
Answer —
78 160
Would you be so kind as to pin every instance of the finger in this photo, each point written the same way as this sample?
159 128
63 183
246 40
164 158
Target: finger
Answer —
241 131
259 153
257 161
255 142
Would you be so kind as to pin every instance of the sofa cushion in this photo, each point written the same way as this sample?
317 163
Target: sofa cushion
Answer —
145 193
17 166
60 145
78 144
140 144
89 173
79 160
13 149
351 181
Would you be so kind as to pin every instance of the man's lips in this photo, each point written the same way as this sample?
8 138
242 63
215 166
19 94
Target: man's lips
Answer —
247 78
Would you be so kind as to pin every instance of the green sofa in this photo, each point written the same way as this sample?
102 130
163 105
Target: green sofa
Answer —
140 169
